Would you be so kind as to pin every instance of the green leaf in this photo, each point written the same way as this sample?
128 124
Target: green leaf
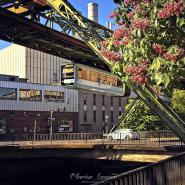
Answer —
110 45
166 79
156 23
180 21
125 79
158 78
155 65
124 88
139 33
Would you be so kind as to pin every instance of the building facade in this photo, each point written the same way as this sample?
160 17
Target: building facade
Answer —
22 104
94 99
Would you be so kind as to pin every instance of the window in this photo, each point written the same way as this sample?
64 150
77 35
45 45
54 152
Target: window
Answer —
120 101
111 116
111 101
67 76
30 95
103 115
96 76
94 99
8 93
3 125
120 113
85 98
54 96
94 115
85 116
103 100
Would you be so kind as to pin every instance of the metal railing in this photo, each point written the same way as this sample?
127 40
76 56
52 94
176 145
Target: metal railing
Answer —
170 171
145 138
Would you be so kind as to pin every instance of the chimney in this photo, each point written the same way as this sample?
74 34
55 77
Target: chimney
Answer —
93 11
109 25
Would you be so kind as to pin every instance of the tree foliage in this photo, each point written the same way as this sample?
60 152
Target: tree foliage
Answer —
143 119
118 1
178 102
149 45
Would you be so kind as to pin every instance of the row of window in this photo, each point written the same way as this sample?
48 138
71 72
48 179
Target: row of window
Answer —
30 95
103 100
103 103
103 116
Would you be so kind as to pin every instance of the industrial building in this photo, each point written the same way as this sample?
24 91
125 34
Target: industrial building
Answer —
81 104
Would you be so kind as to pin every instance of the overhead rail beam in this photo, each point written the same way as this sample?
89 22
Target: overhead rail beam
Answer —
20 30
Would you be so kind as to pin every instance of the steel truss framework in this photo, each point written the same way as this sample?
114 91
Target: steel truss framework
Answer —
69 19
40 28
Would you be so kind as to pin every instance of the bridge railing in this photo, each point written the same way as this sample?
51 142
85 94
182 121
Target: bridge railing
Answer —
170 171
145 138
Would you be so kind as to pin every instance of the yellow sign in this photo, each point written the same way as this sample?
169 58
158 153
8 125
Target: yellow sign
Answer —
18 10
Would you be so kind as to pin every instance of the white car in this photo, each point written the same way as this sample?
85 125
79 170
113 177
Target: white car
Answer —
123 134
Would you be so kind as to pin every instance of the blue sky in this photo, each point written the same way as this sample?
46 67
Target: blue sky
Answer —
105 8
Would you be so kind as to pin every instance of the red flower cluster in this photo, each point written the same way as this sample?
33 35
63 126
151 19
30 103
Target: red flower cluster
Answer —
119 33
116 43
144 63
121 23
130 15
171 9
135 2
167 55
121 36
113 15
159 48
137 73
170 57
181 53
173 57
142 24
111 55
125 40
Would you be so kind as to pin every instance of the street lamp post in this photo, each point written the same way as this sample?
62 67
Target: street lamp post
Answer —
35 128
51 125
106 123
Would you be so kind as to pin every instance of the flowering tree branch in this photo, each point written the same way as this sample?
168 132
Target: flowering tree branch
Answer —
149 44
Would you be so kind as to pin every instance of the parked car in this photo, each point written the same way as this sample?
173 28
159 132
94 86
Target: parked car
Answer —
123 134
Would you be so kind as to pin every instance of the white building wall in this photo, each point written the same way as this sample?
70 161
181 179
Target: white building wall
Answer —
13 61
43 68
36 66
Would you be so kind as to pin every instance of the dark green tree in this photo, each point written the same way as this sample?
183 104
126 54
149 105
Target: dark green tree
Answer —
178 102
143 119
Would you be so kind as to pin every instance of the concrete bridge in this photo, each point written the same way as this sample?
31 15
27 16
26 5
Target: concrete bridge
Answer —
43 162
121 152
